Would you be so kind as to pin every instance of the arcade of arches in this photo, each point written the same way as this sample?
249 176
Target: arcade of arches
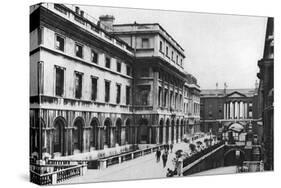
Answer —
64 138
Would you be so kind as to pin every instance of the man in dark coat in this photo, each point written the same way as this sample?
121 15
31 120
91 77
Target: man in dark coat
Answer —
165 158
158 155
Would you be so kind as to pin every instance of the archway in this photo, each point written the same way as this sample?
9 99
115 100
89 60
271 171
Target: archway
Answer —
143 131
58 136
78 134
234 157
119 131
172 131
127 131
167 130
94 133
181 130
161 129
233 132
177 129
107 127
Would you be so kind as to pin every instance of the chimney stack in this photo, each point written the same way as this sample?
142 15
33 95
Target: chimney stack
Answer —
82 13
77 9
106 22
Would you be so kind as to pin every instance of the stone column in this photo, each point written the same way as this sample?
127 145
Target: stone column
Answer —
235 109
226 108
241 110
238 110
224 111
231 110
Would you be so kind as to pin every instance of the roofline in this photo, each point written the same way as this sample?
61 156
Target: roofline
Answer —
152 24
93 24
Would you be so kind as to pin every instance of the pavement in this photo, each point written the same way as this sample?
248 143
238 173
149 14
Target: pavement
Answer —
218 171
145 167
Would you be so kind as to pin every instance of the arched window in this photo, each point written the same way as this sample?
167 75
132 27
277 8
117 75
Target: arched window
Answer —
161 124
118 131
94 133
172 130
107 126
177 129
127 131
167 130
182 129
143 131
58 136
78 134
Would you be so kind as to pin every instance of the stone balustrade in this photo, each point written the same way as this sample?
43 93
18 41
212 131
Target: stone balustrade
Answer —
57 176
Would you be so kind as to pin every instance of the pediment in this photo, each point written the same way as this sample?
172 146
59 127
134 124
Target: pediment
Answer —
235 94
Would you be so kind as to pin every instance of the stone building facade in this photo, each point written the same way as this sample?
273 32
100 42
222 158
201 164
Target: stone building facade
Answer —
266 95
222 107
95 88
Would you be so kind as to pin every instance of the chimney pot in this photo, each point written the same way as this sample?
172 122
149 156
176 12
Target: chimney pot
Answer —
106 22
82 13
77 10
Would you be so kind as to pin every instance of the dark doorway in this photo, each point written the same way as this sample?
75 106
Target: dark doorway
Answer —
58 137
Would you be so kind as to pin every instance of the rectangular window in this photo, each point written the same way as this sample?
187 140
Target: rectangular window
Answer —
165 97
40 77
144 43
128 95
107 91
161 46
107 62
94 88
167 51
79 50
78 85
59 81
118 93
177 59
59 43
128 70
94 56
144 72
118 66
181 62
40 35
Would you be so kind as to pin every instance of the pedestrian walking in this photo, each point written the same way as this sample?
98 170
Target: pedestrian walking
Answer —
165 158
179 166
158 155
171 147
167 147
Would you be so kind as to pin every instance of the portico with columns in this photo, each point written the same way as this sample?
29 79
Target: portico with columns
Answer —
236 109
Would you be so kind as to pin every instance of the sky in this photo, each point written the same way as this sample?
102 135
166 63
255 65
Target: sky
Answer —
219 48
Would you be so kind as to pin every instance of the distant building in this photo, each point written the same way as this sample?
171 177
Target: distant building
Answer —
222 107
192 104
266 94
98 88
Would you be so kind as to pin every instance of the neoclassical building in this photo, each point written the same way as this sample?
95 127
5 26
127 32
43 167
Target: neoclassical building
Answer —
98 89
221 107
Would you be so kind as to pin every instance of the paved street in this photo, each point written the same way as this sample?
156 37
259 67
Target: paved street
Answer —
217 171
140 168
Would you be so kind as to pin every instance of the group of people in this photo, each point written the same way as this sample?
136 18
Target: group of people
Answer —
165 154
164 157
177 161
